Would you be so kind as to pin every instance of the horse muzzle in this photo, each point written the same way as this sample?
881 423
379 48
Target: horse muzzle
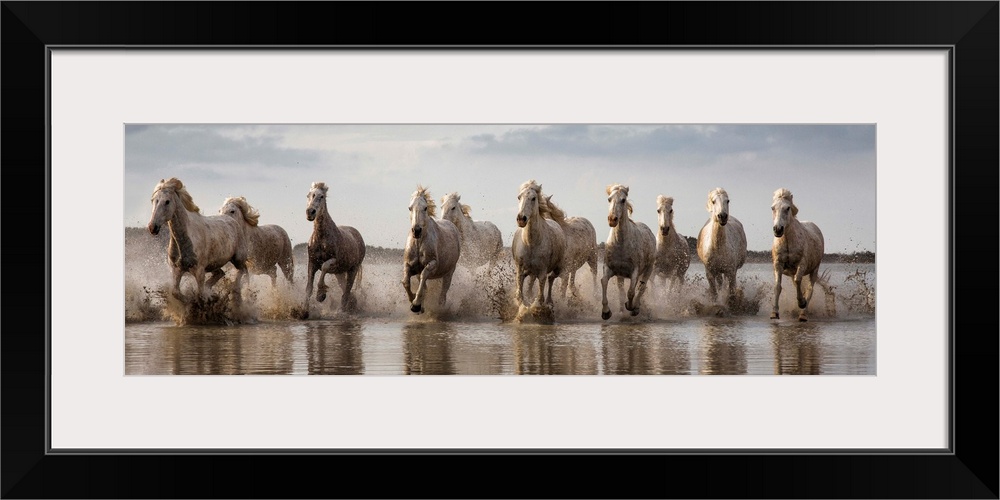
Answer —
154 229
522 221
416 231
612 220
723 219
778 231
665 231
310 214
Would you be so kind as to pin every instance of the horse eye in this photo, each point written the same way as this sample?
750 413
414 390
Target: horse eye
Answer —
658 211
167 202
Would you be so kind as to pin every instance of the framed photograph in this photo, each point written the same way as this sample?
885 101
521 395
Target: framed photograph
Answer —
869 122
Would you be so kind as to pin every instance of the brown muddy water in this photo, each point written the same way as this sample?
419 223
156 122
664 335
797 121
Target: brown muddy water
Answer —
478 333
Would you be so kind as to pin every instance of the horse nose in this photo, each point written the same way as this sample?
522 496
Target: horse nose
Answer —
778 231
723 218
154 229
665 230
521 220
416 232
612 220
310 213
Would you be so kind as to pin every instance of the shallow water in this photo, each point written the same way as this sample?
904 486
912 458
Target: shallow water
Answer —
476 333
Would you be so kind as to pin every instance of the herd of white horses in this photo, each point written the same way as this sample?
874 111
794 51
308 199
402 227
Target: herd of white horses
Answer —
546 245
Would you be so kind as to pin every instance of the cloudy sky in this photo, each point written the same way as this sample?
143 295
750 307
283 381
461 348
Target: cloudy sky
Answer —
373 170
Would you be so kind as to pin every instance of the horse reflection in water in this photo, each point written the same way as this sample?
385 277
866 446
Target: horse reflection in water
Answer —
640 349
545 350
427 348
228 351
797 349
723 348
335 348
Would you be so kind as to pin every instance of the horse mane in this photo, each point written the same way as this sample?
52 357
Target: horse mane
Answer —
661 200
620 187
320 185
784 194
554 212
545 208
431 206
178 187
250 214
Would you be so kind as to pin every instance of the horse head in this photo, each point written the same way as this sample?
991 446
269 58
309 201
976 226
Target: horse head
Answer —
421 208
718 205
316 197
665 213
452 209
618 205
529 201
782 209
239 209
167 195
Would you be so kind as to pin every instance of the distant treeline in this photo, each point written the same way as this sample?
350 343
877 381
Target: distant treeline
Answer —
394 255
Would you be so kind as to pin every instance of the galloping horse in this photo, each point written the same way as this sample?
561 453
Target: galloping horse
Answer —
672 254
722 244
796 252
581 246
269 244
629 252
433 248
538 245
198 244
333 249
481 240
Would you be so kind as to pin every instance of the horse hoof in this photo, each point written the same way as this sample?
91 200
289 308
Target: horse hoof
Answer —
605 315
803 319
635 312
320 297
774 316
803 304
417 308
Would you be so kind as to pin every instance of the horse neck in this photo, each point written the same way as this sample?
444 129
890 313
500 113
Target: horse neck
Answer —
180 226
626 226
718 233
533 229
324 223
465 224
793 228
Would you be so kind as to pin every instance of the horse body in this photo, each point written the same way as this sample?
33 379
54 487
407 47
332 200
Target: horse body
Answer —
672 254
269 245
432 251
722 244
198 244
538 246
796 252
629 252
481 240
581 246
332 249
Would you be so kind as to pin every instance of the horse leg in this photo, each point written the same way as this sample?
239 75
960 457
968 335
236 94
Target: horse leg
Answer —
605 310
324 270
216 276
199 283
310 276
633 304
273 273
713 294
640 290
406 283
552 279
777 290
806 296
445 285
621 295
177 283
418 301
348 284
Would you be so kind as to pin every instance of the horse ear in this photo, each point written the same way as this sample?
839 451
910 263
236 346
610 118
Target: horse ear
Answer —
625 190
659 199
608 190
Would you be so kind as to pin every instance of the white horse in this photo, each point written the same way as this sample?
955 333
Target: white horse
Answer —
629 252
269 245
333 249
672 253
722 244
581 246
432 250
481 240
198 244
796 252
538 245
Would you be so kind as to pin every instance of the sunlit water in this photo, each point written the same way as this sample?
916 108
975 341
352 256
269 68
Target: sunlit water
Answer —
477 333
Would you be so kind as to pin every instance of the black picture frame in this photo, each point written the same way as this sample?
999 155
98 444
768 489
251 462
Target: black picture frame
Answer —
969 470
